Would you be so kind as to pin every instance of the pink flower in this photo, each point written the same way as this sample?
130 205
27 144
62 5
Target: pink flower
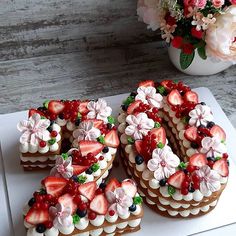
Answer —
195 3
119 200
34 129
218 3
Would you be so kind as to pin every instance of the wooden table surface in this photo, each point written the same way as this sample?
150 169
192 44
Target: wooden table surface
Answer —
85 49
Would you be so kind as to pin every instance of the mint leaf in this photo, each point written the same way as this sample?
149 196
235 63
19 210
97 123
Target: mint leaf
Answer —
45 103
160 145
76 219
64 156
52 141
95 167
171 190
182 165
111 119
186 60
101 139
157 125
130 140
82 179
202 52
128 101
161 89
137 200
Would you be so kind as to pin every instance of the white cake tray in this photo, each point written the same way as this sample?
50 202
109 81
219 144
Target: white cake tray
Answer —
20 185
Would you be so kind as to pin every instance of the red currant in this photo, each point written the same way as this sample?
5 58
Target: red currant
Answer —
39 198
225 155
92 215
77 199
185 184
82 206
53 116
184 191
44 205
195 178
111 212
190 168
54 133
196 185
155 109
48 224
101 158
42 143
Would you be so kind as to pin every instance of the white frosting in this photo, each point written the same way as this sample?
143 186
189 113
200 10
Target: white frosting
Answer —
67 230
125 216
61 122
52 232
96 232
134 223
33 232
111 219
110 229
54 147
122 225
98 220
137 211
82 224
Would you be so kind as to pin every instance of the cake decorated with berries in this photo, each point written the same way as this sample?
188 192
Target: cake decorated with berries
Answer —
58 126
172 148
65 206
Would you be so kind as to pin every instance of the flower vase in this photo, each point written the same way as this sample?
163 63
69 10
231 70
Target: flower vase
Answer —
198 65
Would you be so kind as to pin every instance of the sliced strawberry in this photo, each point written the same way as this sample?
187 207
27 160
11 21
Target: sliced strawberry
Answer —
133 106
166 84
130 187
138 146
67 201
77 169
112 185
99 204
56 107
34 111
96 123
174 98
198 159
146 83
112 139
221 167
191 133
217 131
83 107
176 179
160 135
54 185
191 97
88 189
90 146
37 216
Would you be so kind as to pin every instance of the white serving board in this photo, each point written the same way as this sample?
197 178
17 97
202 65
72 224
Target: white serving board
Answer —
21 184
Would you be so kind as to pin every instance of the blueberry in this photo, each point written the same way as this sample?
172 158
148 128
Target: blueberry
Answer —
109 126
31 202
191 189
211 158
40 228
185 171
61 116
162 182
124 107
52 122
102 185
133 94
75 178
89 171
81 213
49 129
105 150
210 124
194 145
228 162
132 208
203 103
201 126
139 160
77 122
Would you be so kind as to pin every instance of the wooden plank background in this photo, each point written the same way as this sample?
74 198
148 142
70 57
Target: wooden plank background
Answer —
85 48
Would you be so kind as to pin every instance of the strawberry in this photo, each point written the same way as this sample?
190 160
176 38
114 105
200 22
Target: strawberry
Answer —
112 185
77 169
133 106
83 107
96 123
217 131
112 139
130 187
221 167
198 159
146 83
174 98
160 135
34 111
176 179
37 216
191 96
166 84
88 189
191 133
138 146
54 185
56 107
67 201
90 146
99 204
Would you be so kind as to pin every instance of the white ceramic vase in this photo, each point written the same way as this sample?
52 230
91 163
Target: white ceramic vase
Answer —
198 65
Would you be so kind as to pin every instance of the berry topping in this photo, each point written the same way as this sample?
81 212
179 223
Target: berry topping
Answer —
162 182
139 160
174 98
221 167
177 179
81 214
146 83
83 107
48 224
217 131
90 147
92 215
159 135
54 133
88 189
112 185
79 169
191 96
67 201
133 106
130 187
99 204
42 143
111 212
167 84
96 123
191 133
105 150
33 111
198 159
184 191
132 208
54 185
37 216
55 107
112 139
41 228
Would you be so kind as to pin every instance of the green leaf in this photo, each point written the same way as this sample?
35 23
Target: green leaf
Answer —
137 200
45 103
64 156
79 115
217 158
202 52
160 145
185 119
111 119
95 167
186 60
128 100
130 140
157 125
161 89
82 179
52 141
182 165
171 190
101 139
76 219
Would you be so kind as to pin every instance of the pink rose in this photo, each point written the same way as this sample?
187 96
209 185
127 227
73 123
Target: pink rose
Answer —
218 3
195 3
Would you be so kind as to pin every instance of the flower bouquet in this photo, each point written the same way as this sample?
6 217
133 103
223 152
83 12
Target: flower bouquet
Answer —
196 28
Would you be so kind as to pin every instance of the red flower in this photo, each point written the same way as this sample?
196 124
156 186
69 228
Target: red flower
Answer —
170 20
196 33
177 42
187 48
